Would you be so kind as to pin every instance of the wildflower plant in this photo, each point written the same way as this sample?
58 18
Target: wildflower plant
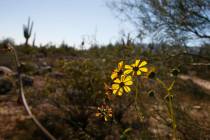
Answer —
169 99
126 79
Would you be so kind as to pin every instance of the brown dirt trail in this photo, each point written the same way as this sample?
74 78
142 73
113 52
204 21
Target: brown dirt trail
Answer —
204 84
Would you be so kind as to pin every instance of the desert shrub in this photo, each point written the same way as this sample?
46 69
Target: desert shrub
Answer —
86 76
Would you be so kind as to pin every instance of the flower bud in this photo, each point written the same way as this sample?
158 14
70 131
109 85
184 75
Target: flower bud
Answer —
175 72
152 75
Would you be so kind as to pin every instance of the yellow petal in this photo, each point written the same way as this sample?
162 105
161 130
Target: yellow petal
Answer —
114 75
115 86
105 118
120 65
115 70
127 89
128 78
128 83
137 62
115 91
143 69
122 78
133 65
128 71
117 81
138 72
120 92
143 63
128 67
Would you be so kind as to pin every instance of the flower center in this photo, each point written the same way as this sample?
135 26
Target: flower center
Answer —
135 68
122 84
120 72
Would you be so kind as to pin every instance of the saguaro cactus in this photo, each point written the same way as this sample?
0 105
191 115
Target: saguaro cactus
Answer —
27 30
34 40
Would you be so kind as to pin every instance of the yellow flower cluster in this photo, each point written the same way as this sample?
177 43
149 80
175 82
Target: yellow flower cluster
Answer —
121 78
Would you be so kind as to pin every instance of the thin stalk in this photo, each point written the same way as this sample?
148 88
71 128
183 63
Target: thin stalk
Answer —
136 98
139 109
170 104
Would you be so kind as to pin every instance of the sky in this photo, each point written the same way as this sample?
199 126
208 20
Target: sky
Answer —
61 20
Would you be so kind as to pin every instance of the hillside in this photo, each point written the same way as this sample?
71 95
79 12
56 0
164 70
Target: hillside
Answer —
65 86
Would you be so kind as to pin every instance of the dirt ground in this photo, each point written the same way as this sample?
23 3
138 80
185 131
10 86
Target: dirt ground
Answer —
11 113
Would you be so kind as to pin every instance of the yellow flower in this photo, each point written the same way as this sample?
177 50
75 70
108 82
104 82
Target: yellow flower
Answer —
104 112
118 71
122 84
137 68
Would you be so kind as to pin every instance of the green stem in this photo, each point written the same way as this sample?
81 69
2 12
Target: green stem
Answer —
136 98
169 104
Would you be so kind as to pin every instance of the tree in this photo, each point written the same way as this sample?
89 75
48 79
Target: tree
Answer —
168 20
27 30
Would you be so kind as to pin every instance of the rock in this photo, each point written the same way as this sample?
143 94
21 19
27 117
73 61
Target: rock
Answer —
27 80
57 75
4 71
45 69
5 86
29 68
44 63
197 107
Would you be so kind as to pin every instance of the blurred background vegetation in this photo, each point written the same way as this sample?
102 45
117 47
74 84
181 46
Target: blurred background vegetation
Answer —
64 85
